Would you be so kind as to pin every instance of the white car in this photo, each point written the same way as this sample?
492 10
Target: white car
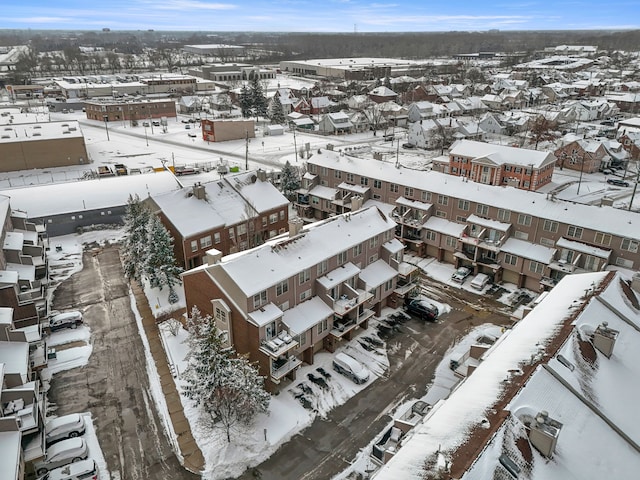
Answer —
350 367
480 281
62 453
83 470
61 428
461 274
65 320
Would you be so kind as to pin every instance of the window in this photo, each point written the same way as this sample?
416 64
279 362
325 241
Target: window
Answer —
431 235
388 285
242 229
443 200
426 196
303 276
301 339
510 259
536 267
463 204
364 181
603 238
377 184
220 315
373 242
304 295
441 214
623 262
231 233
205 241
524 219
216 237
337 173
270 330
342 257
373 258
521 235
573 231
547 242
315 200
264 221
357 250
461 219
350 177
322 267
629 245
282 287
408 192
322 326
194 245
393 188
550 226
259 299
504 215
273 218
591 263
482 209
281 215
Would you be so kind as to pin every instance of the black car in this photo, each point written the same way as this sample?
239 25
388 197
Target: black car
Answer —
617 182
421 309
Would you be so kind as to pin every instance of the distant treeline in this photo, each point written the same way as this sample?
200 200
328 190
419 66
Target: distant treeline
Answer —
413 45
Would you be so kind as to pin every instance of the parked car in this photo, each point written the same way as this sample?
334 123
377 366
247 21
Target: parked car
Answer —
461 274
65 320
192 134
617 182
187 126
60 454
61 428
421 308
606 171
350 367
408 146
83 470
480 281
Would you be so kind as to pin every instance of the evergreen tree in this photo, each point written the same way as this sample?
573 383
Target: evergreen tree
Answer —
290 180
258 100
227 388
246 104
277 112
135 239
160 263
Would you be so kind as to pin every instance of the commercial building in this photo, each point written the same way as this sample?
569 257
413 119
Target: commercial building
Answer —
113 110
354 68
223 130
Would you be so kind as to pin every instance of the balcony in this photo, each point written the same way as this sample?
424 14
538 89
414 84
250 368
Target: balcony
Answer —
562 266
345 304
278 345
548 282
341 328
282 366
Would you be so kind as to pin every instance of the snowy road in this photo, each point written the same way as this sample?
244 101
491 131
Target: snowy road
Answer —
114 385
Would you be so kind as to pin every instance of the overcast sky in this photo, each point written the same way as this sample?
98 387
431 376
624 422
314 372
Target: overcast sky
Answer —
322 15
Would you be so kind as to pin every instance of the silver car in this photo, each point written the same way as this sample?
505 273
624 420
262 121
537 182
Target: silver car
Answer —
61 428
61 454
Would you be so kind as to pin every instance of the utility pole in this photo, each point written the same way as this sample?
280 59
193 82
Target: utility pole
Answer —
635 187
106 125
295 144
246 151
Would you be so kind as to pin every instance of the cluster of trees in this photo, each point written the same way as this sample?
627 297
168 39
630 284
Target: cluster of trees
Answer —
148 249
227 387
253 101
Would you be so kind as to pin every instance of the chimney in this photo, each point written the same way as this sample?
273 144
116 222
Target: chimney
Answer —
635 282
199 191
262 175
295 226
604 339
212 256
543 434
356 203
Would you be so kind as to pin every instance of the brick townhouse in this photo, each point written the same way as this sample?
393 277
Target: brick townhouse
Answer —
309 290
516 236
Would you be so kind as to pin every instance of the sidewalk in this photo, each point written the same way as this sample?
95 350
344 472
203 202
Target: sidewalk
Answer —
191 454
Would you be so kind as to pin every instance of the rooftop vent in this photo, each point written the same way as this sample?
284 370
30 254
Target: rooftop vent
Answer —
212 256
544 433
295 226
199 191
604 339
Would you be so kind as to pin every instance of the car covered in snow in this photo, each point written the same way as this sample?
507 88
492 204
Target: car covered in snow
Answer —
421 308
83 470
461 274
62 453
65 320
480 281
349 367
61 428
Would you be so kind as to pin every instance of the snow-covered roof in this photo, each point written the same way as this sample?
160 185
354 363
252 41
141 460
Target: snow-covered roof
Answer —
602 219
15 356
485 222
450 423
13 241
88 195
417 204
446 227
377 273
265 315
528 250
10 451
326 193
255 270
40 131
393 246
25 271
6 315
359 189
306 314
501 154
8 277
338 275
583 248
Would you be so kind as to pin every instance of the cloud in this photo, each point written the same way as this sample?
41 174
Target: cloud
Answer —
196 5
38 20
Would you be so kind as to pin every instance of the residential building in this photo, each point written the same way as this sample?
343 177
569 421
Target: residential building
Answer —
552 399
313 289
335 123
233 214
513 235
501 165
587 156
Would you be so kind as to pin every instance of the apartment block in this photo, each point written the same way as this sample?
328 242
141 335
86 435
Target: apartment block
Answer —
130 110
309 290
513 235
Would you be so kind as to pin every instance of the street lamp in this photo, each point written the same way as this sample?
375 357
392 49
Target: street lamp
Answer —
106 125
145 135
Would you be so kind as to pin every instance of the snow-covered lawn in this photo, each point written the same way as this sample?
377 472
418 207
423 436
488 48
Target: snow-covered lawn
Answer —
159 299
317 390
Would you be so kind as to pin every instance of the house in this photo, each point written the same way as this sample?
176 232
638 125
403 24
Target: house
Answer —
501 165
552 398
189 104
310 290
300 121
424 134
233 214
320 105
587 156
490 123
382 94
630 141
335 123
419 111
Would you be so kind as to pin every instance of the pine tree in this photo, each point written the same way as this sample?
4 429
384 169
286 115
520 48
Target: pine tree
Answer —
160 263
258 100
135 239
290 180
246 103
276 111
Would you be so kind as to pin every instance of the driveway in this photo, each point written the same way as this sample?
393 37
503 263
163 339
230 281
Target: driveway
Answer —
114 385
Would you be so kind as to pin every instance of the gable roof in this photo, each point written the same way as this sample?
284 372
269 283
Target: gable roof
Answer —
501 154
